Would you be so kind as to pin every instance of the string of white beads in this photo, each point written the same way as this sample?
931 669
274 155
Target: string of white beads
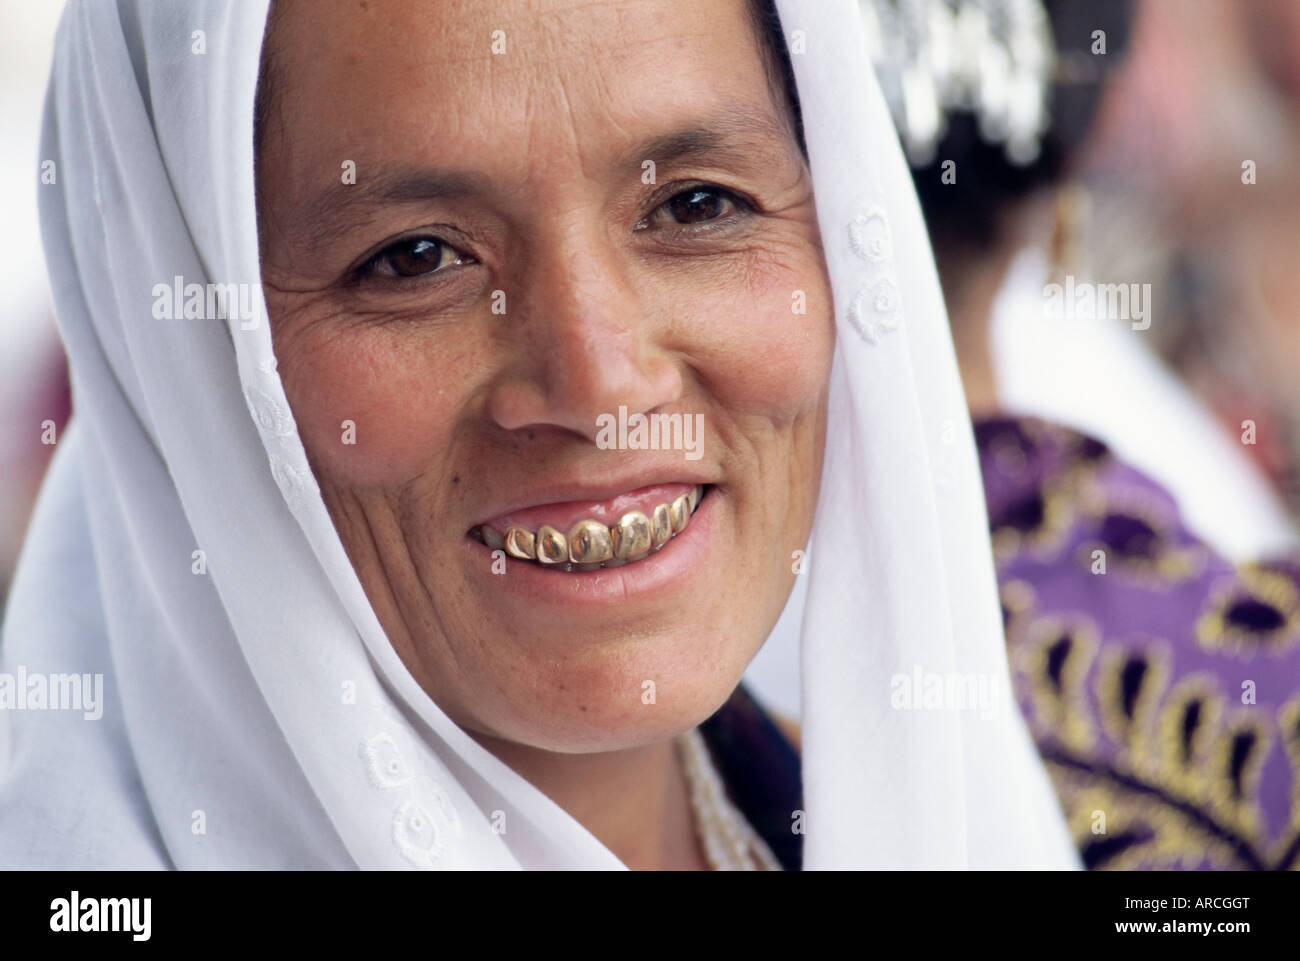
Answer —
730 843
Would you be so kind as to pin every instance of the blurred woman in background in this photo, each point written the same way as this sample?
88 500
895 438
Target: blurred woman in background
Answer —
1203 190
1159 676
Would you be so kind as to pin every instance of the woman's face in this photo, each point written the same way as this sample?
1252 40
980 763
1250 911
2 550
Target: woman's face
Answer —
559 210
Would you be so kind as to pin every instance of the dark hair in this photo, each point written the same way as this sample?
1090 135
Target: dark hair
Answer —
968 214
268 78
776 57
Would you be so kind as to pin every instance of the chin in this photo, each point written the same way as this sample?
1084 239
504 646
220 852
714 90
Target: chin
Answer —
627 693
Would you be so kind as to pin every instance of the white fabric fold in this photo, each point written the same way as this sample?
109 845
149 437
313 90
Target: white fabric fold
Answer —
256 715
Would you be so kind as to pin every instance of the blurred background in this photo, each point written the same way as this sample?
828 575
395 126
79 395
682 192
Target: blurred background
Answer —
33 383
1206 87
1194 187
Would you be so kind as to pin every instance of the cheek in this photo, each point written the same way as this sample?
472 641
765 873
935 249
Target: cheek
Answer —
373 408
766 336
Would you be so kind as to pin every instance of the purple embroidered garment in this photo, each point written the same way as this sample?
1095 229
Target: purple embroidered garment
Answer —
1161 682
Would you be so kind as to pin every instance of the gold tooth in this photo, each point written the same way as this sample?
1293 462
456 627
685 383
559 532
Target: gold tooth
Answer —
552 546
521 543
681 511
589 542
661 525
631 535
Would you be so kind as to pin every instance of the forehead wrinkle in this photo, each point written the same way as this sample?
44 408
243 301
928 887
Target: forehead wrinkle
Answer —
751 125
725 136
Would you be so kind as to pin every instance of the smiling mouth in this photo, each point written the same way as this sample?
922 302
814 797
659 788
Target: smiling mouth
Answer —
589 544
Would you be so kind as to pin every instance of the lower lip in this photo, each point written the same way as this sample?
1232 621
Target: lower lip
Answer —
675 562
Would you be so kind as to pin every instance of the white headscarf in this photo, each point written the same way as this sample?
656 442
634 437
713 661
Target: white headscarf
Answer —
255 715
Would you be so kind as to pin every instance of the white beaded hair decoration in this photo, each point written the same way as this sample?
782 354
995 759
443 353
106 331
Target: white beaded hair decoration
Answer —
994 58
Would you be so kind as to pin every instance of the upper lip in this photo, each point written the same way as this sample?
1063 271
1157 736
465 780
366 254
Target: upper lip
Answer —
562 492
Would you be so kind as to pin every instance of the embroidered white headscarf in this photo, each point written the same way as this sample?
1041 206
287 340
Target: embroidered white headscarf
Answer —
228 737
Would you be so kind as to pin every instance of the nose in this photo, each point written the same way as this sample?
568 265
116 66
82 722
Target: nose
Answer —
584 345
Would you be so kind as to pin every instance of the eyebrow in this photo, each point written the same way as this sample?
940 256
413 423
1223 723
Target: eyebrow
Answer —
738 136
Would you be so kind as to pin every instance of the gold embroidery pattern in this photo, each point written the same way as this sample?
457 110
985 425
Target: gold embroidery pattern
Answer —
1181 790
1154 769
1135 527
1139 533
1258 611
1039 522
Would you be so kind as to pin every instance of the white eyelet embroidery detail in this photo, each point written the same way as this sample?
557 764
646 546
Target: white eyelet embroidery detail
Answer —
387 769
417 836
873 311
424 819
275 422
869 237
270 417
294 483
876 308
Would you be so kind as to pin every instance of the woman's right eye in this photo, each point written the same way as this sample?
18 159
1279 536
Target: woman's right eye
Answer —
414 257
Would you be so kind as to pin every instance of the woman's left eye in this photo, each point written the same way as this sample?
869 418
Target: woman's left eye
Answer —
696 206
413 257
